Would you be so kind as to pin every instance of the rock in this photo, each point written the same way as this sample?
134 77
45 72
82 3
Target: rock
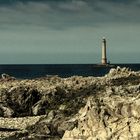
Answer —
5 111
62 107
51 115
66 126
86 108
21 100
1 112
37 108
5 76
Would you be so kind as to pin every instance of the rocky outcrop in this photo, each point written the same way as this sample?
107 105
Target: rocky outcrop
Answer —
114 112
7 77
83 108
106 118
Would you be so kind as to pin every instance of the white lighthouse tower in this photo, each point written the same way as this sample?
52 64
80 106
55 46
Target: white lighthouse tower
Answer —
104 57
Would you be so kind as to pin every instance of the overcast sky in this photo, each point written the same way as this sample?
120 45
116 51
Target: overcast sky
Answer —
69 31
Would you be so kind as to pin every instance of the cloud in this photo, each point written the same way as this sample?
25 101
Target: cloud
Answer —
47 27
69 13
73 6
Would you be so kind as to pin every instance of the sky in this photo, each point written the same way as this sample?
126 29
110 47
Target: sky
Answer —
69 31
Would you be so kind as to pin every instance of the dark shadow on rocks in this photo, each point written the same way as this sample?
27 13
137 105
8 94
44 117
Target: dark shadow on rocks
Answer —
59 106
21 101
57 121
133 80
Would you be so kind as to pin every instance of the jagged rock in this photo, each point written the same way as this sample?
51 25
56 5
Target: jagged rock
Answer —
5 76
112 114
20 100
83 108
36 108
5 111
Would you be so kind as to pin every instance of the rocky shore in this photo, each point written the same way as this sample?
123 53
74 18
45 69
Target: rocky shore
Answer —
74 108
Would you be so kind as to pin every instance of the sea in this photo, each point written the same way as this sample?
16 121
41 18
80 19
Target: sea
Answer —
30 71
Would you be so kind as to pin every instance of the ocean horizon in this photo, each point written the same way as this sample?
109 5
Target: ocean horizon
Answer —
31 71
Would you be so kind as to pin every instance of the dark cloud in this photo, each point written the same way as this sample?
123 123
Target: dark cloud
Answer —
62 14
94 1
44 26
26 1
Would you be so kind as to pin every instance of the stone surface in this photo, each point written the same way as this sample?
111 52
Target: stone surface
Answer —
74 108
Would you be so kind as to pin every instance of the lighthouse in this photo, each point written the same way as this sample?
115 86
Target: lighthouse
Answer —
104 58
